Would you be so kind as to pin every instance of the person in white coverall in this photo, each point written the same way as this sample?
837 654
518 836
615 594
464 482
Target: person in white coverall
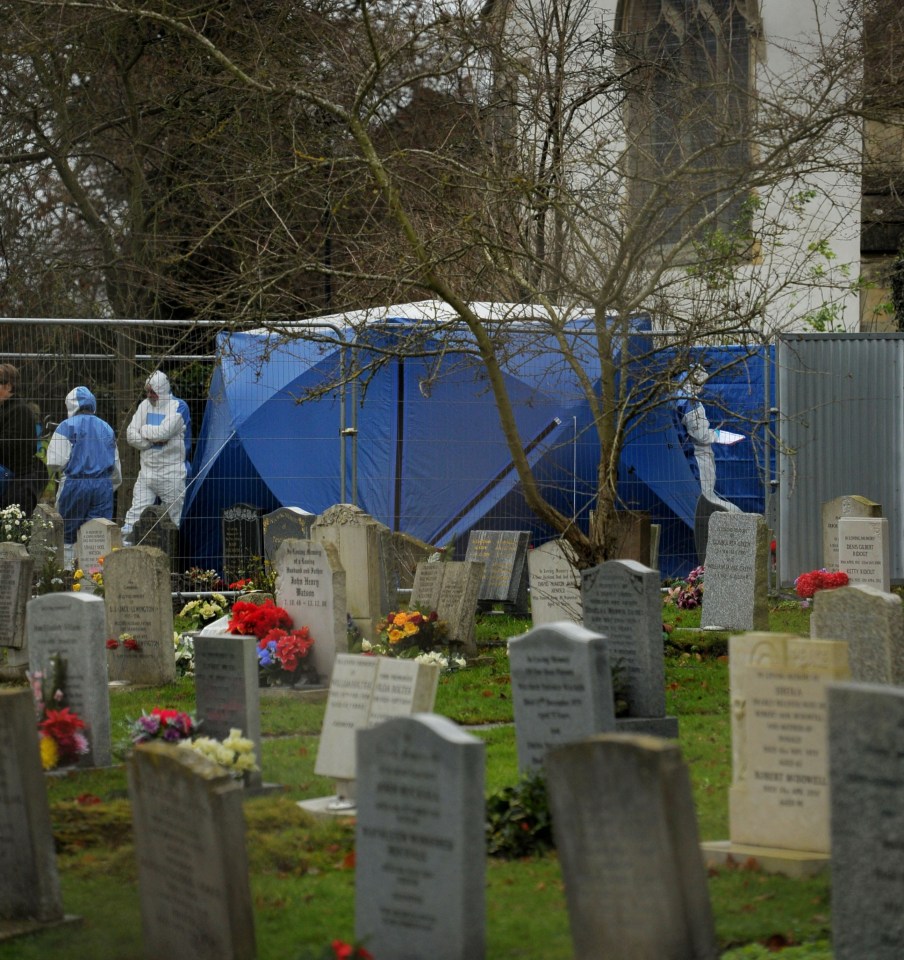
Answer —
161 430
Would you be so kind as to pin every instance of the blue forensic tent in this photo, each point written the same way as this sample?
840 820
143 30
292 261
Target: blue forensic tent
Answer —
421 449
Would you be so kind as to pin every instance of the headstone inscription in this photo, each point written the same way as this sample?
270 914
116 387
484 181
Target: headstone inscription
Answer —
138 599
420 843
866 743
561 689
737 558
626 832
154 528
46 542
871 621
96 538
16 570
863 551
622 601
505 578
555 585
850 505
242 541
451 590
779 797
284 523
29 883
310 586
227 690
209 859
73 626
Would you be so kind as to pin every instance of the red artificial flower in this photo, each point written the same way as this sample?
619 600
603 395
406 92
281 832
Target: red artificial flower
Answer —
112 643
292 647
345 951
62 726
130 643
257 619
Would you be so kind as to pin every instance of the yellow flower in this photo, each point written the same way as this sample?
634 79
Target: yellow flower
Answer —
50 753
78 574
395 636
76 587
400 619
410 628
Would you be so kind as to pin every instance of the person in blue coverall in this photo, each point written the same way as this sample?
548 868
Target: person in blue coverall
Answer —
161 430
83 448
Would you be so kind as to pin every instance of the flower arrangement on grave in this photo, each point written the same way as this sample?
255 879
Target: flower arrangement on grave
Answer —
15 525
198 613
62 737
235 753
125 640
184 650
282 650
808 583
687 594
197 578
447 662
95 574
163 723
411 630
258 619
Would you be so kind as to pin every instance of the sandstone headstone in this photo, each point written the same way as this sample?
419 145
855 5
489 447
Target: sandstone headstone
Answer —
866 743
284 523
228 691
16 568
46 542
310 585
29 883
555 585
626 834
420 850
561 689
832 510
871 621
242 541
504 553
73 626
208 856
622 601
863 551
366 555
139 602
737 564
96 538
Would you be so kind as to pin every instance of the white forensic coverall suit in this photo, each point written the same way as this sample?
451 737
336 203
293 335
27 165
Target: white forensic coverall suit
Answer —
159 429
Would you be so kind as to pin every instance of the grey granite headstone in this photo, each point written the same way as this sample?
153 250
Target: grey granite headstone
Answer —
420 849
29 883
863 551
504 554
850 505
622 601
872 623
154 528
626 832
228 691
16 568
310 585
242 540
367 557
211 917
46 542
138 598
457 602
866 743
555 585
561 689
284 523
96 538
737 558
73 626
427 584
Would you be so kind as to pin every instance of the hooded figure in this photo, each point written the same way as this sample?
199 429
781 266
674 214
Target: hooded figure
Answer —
697 437
83 448
161 430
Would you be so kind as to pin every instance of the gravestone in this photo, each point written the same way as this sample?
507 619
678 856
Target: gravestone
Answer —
139 602
154 528
626 834
242 541
871 621
365 691
555 585
704 512
451 590
866 743
227 690
73 626
737 560
29 884
779 797
632 535
832 510
16 570
622 601
420 846
211 917
408 552
863 551
310 585
504 553
284 523
561 689
366 554
96 538
46 542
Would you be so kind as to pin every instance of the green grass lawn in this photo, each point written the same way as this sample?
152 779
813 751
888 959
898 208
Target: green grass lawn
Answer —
302 871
